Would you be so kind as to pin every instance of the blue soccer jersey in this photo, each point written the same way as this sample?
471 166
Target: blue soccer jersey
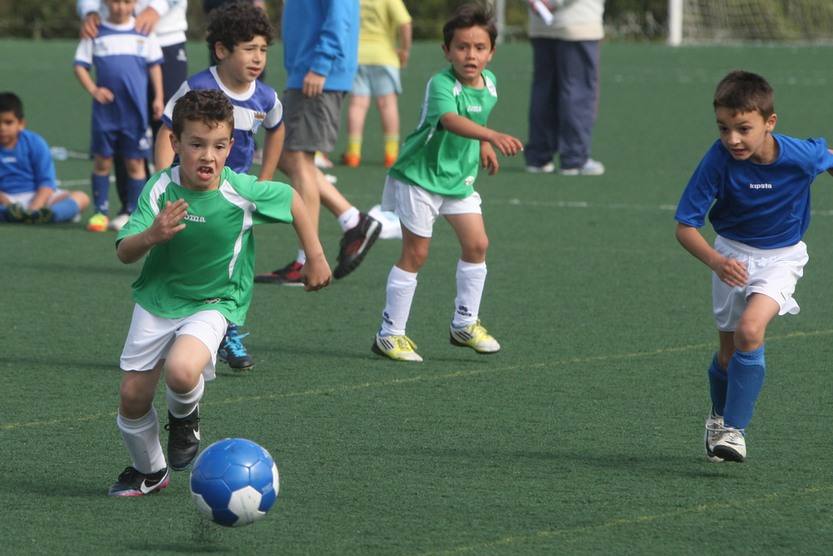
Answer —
27 166
257 106
766 206
121 57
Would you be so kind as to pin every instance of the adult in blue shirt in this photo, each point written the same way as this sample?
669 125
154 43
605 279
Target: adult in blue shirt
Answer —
321 40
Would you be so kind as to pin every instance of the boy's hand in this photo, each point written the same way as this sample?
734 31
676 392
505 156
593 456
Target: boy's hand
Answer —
168 222
313 84
89 26
158 108
103 95
147 20
403 54
731 271
488 158
506 144
316 273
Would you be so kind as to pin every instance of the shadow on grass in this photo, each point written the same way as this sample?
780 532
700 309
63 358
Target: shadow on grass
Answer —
85 268
53 485
29 361
205 538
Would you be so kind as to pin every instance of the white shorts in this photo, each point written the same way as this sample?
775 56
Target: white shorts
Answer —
150 337
418 208
772 272
26 197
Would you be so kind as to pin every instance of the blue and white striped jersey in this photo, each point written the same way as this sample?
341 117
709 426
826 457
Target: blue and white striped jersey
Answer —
257 106
121 57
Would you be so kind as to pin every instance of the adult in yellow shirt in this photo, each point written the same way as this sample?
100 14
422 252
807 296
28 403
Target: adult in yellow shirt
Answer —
384 47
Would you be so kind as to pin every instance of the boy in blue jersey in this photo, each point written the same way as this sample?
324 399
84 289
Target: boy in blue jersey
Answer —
435 176
755 186
28 188
194 228
123 59
240 35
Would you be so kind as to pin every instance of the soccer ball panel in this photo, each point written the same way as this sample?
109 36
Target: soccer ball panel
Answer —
245 504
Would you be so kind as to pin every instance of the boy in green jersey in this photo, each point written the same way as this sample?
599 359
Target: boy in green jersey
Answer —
435 174
194 222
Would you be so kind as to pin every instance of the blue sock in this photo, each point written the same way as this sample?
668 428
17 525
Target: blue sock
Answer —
134 189
101 193
718 380
64 210
746 377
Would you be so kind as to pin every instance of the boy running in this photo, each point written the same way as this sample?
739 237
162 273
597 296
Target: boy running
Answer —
194 222
755 186
435 175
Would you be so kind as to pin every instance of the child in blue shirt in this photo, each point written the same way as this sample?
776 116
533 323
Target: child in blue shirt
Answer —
123 59
755 186
28 188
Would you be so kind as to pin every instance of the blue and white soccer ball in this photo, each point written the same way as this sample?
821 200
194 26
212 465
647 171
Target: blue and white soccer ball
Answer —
234 482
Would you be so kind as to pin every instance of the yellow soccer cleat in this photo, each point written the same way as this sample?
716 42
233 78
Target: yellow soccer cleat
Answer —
474 336
398 348
98 223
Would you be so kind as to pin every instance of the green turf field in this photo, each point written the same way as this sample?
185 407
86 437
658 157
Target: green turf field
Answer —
583 436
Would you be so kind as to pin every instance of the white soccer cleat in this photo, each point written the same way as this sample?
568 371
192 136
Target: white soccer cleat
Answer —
118 222
398 348
730 445
714 425
474 336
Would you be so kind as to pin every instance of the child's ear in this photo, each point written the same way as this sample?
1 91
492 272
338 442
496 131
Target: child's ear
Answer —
220 50
771 121
174 142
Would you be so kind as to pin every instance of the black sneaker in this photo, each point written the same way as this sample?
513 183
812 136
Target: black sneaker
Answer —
183 439
232 350
41 216
290 275
355 244
132 482
18 213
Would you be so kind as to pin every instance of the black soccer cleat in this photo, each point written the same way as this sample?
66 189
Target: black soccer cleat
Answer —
132 482
183 439
355 244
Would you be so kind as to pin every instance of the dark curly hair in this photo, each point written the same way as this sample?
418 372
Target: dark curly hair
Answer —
473 14
237 22
208 106
10 102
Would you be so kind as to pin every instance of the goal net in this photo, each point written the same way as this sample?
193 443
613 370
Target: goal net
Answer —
727 21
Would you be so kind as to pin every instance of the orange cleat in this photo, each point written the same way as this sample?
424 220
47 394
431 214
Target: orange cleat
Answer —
351 160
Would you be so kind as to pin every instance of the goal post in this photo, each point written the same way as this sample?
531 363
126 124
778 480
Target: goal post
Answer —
734 21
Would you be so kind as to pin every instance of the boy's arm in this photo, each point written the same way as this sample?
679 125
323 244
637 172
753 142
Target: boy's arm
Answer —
163 151
316 270
830 170
405 39
272 149
101 94
464 127
730 271
165 226
155 72
41 197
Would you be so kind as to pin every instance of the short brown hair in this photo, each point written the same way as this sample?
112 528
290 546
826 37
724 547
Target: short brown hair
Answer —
208 106
473 14
743 91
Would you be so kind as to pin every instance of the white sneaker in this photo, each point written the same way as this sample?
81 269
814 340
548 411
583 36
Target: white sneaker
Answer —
118 222
474 336
714 425
590 168
730 445
547 168
398 348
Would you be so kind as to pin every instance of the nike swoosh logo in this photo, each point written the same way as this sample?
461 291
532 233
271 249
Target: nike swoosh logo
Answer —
145 488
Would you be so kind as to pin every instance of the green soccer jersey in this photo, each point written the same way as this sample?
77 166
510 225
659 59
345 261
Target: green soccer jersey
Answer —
209 264
436 159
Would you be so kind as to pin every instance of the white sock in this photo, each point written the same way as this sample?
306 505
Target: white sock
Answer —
349 219
183 405
471 277
398 297
302 257
141 436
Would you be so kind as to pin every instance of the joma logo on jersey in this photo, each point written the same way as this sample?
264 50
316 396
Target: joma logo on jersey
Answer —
474 109
194 218
260 116
760 186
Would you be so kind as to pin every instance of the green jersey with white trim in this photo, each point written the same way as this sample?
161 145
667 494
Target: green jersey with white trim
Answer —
434 158
209 264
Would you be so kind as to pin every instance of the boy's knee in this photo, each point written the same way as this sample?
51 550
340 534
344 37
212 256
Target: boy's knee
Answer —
135 401
476 251
181 375
749 335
